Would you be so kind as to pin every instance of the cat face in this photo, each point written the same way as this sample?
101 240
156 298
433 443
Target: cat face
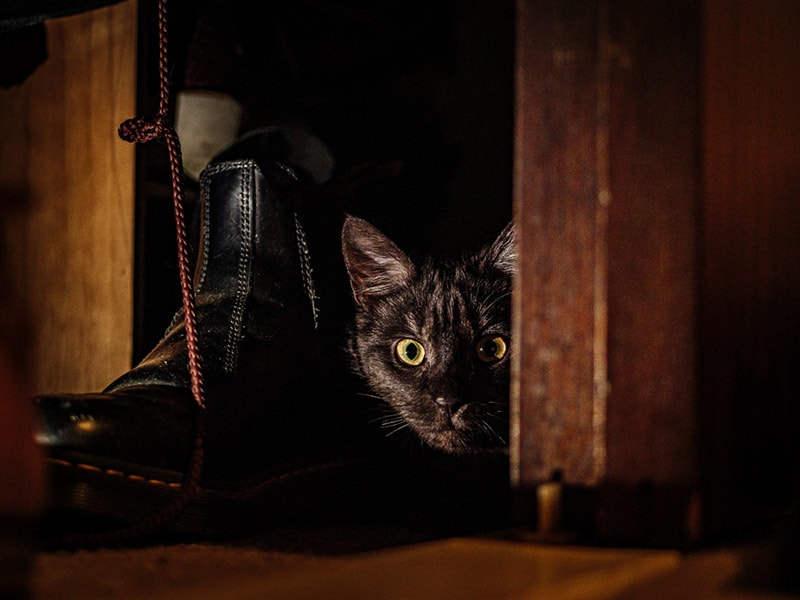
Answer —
433 340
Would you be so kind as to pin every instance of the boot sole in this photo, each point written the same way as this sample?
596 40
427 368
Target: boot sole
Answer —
87 495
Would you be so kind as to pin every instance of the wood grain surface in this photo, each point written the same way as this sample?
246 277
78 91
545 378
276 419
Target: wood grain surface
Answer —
66 200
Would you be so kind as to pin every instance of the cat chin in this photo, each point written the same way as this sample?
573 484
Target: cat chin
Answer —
451 434
451 441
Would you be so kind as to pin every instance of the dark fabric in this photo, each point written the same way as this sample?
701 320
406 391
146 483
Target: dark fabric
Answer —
24 13
22 33
29 46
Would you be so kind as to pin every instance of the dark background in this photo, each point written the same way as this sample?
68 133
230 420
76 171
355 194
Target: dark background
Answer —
420 93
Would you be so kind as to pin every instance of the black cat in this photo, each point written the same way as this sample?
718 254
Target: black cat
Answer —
432 340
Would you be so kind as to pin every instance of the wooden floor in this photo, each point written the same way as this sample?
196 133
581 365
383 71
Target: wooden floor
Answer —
456 568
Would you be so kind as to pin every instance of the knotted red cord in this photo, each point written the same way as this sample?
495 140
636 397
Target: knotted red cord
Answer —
140 130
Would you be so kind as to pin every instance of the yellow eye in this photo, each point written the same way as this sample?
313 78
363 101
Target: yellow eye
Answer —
491 348
410 352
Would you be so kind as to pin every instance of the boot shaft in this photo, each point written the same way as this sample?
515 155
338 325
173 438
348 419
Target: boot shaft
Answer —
252 242
252 279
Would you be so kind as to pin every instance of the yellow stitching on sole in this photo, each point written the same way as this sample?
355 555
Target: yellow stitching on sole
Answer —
86 467
113 473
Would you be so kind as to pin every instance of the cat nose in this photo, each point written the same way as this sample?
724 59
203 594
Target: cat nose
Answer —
447 402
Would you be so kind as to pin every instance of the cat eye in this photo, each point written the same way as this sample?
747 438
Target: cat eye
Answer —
409 352
491 348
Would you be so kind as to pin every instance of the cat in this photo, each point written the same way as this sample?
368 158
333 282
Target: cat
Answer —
432 340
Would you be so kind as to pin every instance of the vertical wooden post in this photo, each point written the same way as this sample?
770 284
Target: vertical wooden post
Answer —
651 487
606 171
554 396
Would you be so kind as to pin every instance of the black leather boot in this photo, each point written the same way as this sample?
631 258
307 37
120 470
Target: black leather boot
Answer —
275 433
288 441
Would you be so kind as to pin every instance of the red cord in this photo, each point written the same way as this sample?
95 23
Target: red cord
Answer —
139 130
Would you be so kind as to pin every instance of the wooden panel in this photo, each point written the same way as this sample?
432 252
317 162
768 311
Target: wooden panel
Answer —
606 204
653 52
687 220
751 260
650 493
556 428
66 197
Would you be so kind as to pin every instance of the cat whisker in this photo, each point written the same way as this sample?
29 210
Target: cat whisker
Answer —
498 412
499 407
397 429
388 421
378 414
379 419
382 412
493 301
490 431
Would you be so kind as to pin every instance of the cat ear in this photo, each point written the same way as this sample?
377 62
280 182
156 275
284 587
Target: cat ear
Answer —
502 254
376 265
